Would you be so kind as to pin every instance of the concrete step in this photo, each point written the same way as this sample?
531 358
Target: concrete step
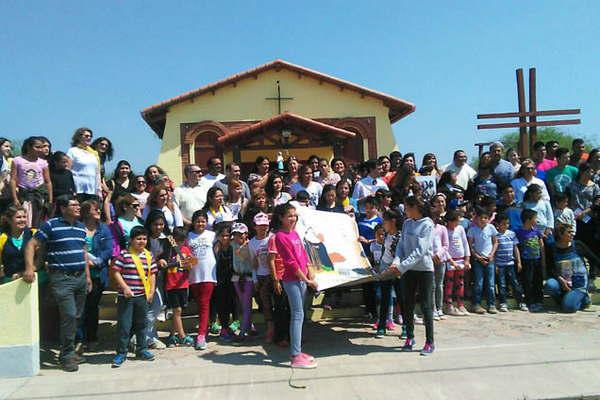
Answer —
349 307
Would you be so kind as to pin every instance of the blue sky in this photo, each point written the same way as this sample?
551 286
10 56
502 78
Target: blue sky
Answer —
71 63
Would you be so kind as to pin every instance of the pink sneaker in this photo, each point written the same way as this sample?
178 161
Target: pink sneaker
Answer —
298 361
376 326
307 356
390 326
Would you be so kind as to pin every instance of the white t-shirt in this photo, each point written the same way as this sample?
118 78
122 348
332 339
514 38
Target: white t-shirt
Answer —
314 190
368 186
190 199
464 174
283 198
520 186
259 251
173 218
85 170
208 180
202 247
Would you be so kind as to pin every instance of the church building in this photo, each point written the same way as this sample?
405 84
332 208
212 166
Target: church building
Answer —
276 107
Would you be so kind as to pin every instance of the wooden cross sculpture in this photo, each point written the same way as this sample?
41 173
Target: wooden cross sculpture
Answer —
525 143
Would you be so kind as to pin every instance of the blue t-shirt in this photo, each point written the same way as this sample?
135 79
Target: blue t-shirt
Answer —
366 229
529 243
505 254
65 244
482 238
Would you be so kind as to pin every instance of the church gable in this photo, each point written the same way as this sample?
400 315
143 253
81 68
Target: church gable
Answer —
249 90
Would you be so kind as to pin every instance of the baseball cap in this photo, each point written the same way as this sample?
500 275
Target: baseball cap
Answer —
261 219
239 228
455 203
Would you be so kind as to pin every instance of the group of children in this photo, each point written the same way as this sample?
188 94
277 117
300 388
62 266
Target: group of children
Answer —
221 269
507 250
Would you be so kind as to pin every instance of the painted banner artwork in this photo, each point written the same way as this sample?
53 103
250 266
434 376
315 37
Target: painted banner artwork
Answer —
331 241
428 185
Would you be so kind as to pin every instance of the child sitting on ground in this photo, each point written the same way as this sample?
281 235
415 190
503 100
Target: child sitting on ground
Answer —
508 263
177 284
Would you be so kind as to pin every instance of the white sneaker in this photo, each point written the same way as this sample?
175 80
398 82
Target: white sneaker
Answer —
503 307
417 320
158 344
523 307
436 315
161 316
441 314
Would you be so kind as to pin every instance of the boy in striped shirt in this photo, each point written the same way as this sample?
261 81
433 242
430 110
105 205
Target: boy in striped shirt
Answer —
134 271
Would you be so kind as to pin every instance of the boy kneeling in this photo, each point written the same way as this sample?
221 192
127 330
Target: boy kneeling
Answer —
135 275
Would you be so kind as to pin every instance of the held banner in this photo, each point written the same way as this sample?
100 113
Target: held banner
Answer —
428 185
331 242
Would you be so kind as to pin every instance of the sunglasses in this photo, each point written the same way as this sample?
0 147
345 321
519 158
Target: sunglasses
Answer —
135 205
141 182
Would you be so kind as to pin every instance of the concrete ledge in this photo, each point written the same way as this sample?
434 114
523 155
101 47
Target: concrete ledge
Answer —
20 361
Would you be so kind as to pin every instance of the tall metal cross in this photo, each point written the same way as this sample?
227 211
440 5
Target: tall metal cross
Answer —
279 98
525 143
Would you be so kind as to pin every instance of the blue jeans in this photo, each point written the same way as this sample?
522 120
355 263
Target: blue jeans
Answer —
570 301
295 291
151 314
508 275
480 272
131 314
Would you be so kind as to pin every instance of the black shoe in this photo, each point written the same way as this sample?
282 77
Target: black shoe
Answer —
70 365
78 359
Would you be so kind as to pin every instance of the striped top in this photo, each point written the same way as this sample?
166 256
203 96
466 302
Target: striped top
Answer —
65 244
125 266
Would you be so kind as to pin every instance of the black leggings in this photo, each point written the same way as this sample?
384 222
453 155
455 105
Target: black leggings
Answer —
423 282
224 296
386 290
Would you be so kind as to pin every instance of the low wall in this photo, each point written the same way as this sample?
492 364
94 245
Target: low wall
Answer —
19 329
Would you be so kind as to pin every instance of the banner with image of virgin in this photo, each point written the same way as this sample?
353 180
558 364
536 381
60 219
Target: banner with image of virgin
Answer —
331 242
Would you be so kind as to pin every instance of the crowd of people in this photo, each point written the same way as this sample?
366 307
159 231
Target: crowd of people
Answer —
512 228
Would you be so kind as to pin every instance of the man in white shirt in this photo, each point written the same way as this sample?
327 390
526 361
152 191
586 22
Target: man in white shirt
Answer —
368 185
191 195
464 172
305 182
215 166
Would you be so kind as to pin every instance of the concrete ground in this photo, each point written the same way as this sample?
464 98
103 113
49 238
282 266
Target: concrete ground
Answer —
508 356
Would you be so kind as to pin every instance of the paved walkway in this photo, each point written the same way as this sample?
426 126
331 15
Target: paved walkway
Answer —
508 356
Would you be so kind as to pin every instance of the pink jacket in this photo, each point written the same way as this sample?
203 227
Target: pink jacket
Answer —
292 251
440 242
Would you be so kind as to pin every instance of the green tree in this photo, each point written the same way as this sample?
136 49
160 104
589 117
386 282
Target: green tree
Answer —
545 135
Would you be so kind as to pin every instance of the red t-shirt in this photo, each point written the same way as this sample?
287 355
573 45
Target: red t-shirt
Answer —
272 247
177 277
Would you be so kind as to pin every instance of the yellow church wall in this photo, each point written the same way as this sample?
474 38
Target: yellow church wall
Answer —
246 101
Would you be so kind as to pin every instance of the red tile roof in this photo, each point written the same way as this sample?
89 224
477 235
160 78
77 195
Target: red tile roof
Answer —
285 117
155 115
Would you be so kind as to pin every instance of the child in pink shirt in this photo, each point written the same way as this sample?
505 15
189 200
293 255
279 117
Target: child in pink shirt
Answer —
296 277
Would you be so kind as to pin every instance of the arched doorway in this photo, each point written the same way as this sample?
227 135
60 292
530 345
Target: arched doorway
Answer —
205 147
353 151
